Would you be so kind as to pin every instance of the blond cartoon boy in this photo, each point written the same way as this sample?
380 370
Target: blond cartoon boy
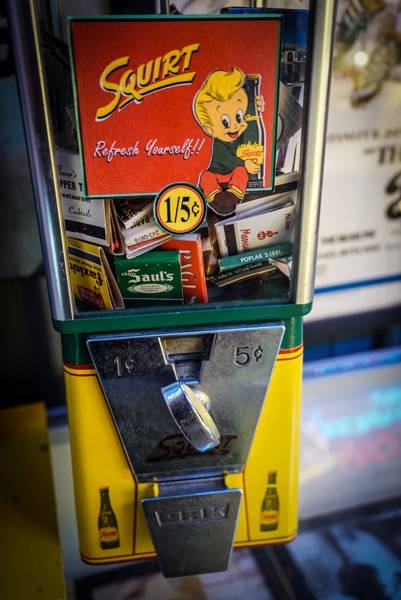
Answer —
220 107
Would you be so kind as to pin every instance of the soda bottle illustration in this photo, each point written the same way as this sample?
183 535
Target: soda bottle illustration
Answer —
254 136
270 505
107 522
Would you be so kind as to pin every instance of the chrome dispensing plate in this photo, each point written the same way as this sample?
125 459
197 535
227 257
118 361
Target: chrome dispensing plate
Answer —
234 375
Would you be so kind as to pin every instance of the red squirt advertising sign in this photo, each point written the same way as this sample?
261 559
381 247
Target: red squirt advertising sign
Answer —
172 99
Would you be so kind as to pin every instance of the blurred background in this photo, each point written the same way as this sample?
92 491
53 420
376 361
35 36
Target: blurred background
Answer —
351 423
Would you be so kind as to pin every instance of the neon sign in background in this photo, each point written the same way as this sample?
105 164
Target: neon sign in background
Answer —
351 432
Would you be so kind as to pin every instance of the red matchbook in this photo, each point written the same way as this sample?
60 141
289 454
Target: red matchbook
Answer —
192 266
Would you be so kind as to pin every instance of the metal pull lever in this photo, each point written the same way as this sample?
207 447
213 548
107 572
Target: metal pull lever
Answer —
188 409
187 405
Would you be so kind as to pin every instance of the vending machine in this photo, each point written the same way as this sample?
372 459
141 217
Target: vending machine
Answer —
176 163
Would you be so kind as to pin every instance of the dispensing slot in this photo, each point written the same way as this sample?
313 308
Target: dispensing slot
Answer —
186 354
192 525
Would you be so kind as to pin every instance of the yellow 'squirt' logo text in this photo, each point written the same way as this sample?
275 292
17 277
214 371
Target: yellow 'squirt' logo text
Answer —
159 73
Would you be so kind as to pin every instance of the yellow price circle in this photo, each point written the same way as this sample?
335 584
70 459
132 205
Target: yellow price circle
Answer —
180 208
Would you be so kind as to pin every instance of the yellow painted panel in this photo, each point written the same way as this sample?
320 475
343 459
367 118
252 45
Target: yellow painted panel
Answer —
99 461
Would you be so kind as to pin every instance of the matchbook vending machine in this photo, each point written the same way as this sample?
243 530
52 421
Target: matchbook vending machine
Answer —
176 162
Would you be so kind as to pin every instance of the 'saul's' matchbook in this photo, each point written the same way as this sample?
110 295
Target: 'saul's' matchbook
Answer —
154 276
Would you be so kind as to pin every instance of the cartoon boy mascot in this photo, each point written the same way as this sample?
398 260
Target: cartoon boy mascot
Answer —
220 107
